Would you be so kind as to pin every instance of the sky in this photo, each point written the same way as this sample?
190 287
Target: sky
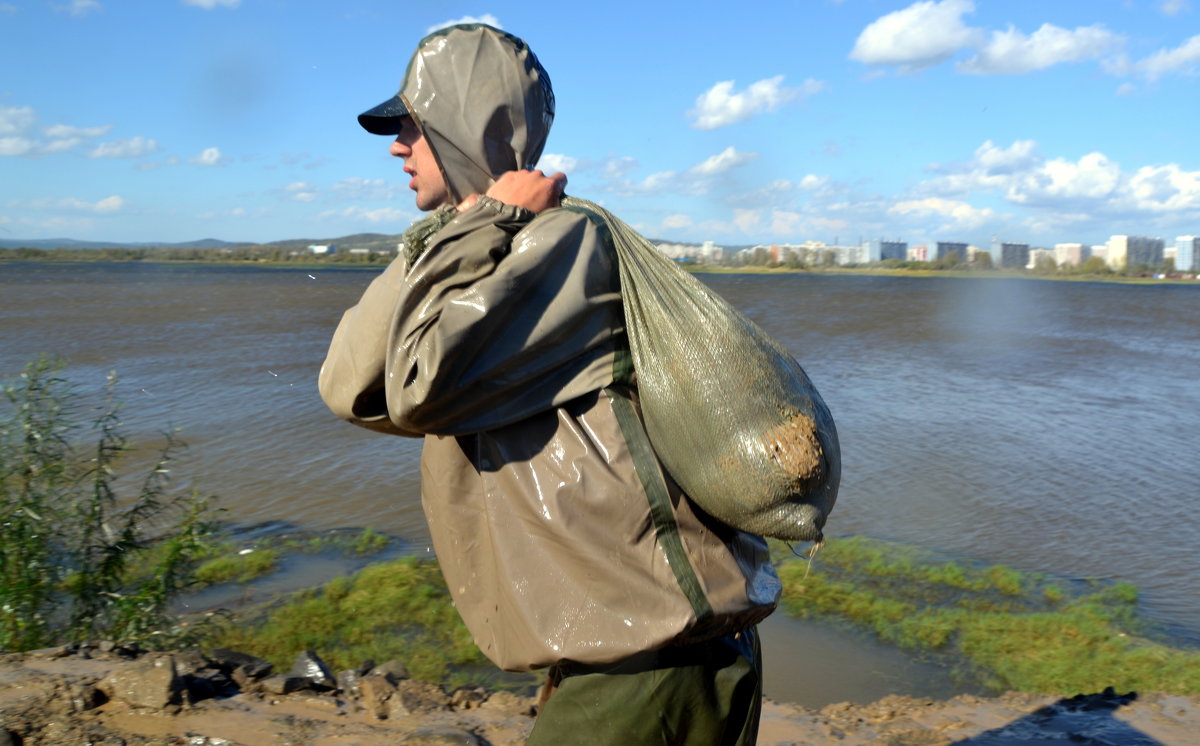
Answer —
737 123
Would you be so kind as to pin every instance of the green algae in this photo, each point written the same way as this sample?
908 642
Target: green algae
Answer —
396 610
1016 630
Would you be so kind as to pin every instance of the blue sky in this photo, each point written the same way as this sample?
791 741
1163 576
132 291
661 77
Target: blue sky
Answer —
1039 122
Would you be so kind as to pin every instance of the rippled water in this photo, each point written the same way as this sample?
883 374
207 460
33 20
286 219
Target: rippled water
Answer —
1050 426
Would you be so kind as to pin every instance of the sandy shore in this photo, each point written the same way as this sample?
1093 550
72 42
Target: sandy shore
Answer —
66 697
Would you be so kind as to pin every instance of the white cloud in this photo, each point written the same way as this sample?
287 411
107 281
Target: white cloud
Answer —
1092 177
552 162
961 214
67 132
487 18
207 157
1173 7
676 221
719 106
79 8
132 147
301 191
210 4
7 8
921 35
1184 59
358 189
1164 189
109 204
15 146
746 219
15 119
786 222
721 162
1092 189
812 181
1013 53
1126 89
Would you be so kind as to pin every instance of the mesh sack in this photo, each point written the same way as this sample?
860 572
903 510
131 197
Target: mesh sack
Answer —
731 415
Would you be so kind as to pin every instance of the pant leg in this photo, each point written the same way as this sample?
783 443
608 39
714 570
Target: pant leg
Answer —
707 694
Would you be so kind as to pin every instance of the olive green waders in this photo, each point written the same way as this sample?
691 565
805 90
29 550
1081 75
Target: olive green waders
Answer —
705 694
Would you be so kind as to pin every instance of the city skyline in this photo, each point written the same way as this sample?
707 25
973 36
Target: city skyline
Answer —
833 119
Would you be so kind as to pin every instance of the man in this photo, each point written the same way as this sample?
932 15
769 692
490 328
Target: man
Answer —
498 336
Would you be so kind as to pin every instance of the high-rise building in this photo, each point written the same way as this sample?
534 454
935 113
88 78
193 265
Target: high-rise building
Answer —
877 249
942 249
1187 253
1071 254
1005 254
1134 251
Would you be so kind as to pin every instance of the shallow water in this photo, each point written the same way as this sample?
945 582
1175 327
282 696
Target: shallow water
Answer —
1049 426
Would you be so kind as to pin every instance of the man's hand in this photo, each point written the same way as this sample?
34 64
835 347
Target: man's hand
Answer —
532 190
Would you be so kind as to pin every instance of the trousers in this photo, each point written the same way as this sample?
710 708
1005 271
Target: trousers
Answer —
702 694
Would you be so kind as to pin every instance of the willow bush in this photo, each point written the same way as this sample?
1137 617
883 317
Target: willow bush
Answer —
79 560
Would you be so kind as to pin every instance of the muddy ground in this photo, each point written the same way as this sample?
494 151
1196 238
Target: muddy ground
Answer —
106 695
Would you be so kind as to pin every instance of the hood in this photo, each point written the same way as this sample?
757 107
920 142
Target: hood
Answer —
482 100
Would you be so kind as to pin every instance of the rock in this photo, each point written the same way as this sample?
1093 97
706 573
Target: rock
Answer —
416 697
309 665
150 683
394 671
374 693
231 660
441 737
84 697
347 682
468 698
508 702
285 683
59 651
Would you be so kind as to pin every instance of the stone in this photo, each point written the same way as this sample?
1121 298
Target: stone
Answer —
347 682
309 665
508 702
285 684
394 671
467 698
374 693
84 697
415 697
149 683
230 660
441 737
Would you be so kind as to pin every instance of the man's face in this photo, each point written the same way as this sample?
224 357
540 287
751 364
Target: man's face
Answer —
427 180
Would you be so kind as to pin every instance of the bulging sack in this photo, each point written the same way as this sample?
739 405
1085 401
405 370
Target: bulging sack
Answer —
732 416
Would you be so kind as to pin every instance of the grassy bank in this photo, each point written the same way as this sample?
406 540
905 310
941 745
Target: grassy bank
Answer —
1016 630
396 610
1021 631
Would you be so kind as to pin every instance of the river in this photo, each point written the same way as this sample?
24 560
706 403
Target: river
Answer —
1049 426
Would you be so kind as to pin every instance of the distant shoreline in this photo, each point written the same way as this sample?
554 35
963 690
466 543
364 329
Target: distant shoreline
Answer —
698 269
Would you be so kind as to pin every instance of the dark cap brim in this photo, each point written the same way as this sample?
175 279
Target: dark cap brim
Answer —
384 119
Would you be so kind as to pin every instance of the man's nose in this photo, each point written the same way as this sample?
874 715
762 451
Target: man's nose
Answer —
399 149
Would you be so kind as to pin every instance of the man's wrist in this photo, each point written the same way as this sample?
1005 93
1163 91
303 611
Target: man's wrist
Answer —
491 204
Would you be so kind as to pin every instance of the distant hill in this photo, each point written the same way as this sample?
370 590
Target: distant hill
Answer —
358 240
71 243
374 241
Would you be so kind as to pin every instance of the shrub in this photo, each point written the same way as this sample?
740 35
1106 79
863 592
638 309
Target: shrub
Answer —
77 560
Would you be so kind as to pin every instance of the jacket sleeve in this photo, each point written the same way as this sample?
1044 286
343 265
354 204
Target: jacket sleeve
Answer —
504 316
351 381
